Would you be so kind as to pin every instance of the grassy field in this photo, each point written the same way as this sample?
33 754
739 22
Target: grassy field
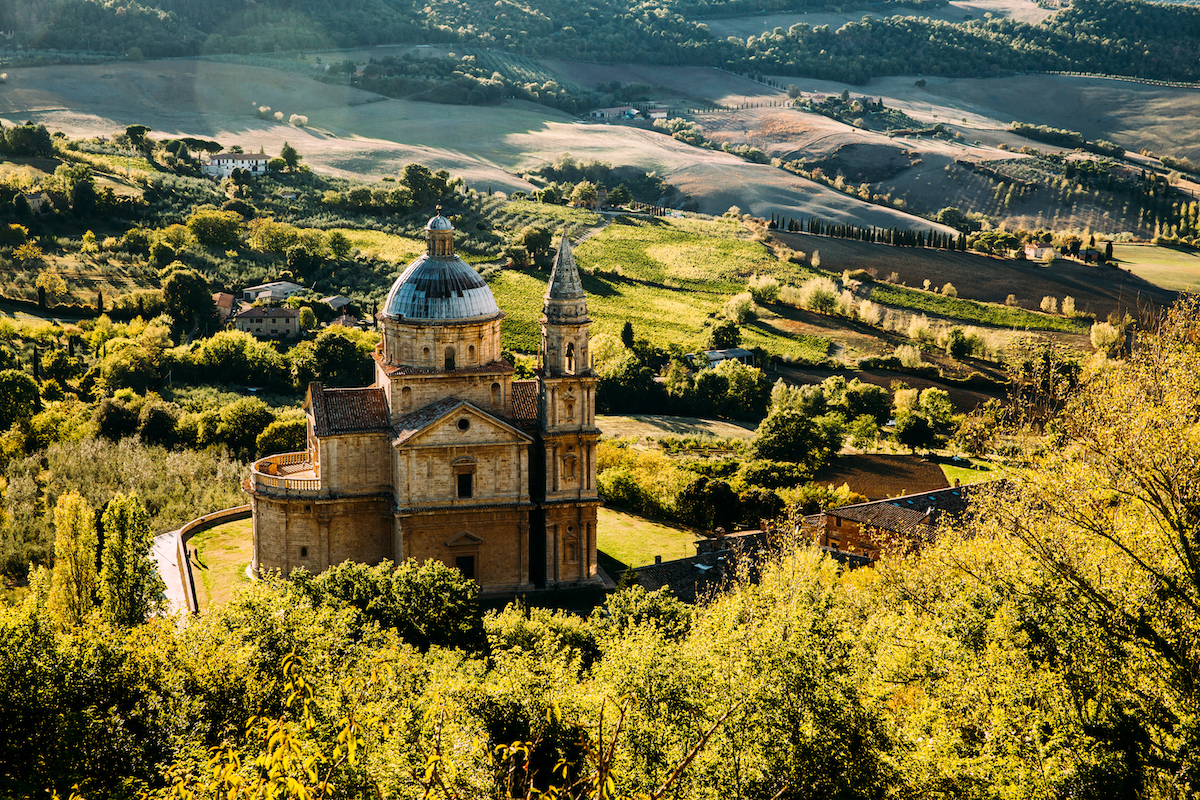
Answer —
666 277
1168 267
386 246
219 567
655 425
971 311
977 472
630 541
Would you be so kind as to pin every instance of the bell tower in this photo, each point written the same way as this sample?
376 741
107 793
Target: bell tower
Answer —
567 427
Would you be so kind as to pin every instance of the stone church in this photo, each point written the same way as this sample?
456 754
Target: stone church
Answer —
445 456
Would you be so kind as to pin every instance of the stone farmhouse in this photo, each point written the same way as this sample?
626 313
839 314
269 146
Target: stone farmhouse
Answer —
864 529
265 322
445 456
222 165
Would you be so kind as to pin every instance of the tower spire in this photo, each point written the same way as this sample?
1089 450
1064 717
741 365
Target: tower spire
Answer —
564 277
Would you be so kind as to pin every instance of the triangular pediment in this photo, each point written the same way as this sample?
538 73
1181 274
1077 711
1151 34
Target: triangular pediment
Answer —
455 423
464 539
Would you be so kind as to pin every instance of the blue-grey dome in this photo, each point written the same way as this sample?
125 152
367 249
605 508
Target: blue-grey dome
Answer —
439 223
440 290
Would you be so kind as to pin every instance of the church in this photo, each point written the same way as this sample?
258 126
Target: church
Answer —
445 456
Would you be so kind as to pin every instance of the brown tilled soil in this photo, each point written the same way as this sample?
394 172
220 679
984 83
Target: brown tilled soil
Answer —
880 476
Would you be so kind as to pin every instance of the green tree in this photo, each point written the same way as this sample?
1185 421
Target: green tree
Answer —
215 229
709 503
584 193
308 318
57 365
427 604
157 421
787 435
130 586
935 405
290 157
283 436
862 398
137 134
339 359
724 335
187 299
627 334
19 397
426 187
73 584
619 196
339 245
536 240
115 419
914 432
242 421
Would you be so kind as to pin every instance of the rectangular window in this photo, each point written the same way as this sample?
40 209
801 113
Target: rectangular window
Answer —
304 552
465 484
465 565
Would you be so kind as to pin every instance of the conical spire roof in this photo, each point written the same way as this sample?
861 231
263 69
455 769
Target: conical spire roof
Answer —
564 278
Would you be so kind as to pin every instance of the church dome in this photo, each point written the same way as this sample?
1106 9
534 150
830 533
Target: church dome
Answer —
439 223
439 286
440 290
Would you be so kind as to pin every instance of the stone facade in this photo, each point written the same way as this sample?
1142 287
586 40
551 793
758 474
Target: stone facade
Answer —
445 456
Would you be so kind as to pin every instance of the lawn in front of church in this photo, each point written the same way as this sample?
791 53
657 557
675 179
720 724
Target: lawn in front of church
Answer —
625 540
220 560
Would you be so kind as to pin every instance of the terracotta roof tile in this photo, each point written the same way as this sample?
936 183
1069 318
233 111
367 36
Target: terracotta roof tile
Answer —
410 425
498 366
913 513
523 401
338 411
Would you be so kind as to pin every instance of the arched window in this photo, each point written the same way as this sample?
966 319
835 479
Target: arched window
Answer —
570 356
449 359
570 410
426 356
471 354
496 394
406 398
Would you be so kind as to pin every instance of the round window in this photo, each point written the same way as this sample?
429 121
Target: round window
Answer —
464 424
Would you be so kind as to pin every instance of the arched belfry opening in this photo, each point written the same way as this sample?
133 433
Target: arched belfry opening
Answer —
570 365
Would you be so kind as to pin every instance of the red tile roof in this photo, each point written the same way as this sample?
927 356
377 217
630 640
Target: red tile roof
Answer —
523 401
498 366
410 425
338 411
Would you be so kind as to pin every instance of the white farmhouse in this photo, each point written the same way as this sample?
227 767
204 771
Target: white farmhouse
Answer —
222 165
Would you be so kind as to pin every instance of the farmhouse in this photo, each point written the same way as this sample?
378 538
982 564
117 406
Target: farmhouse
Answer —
1039 251
273 292
269 323
864 529
226 304
620 112
222 165
715 357
445 456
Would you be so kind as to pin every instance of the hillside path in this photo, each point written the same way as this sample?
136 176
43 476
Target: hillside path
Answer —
166 557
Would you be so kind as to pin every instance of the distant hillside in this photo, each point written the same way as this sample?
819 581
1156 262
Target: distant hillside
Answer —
1119 37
